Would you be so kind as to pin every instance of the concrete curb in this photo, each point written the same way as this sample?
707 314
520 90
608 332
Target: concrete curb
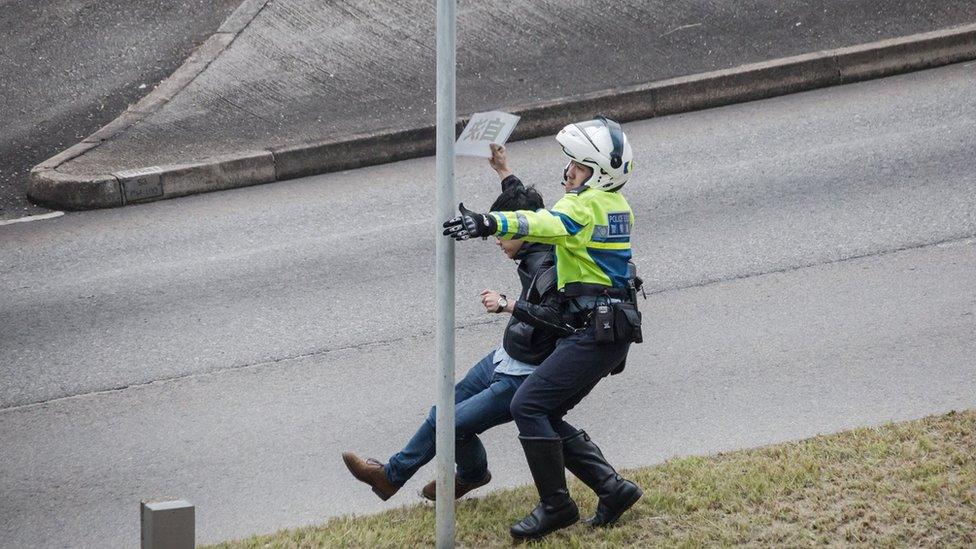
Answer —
48 185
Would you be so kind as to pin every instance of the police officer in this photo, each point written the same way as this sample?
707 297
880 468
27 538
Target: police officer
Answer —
590 228
484 396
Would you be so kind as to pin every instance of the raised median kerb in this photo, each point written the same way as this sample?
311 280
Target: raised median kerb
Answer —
75 179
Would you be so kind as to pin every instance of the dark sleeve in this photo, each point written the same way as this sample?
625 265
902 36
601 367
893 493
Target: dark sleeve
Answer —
511 181
546 314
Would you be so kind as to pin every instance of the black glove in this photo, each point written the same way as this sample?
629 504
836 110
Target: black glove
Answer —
470 224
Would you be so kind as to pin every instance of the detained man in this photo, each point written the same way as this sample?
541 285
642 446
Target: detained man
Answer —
483 398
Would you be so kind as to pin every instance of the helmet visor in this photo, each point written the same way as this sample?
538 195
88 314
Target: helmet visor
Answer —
616 137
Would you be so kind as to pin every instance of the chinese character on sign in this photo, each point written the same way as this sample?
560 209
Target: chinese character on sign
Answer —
482 129
473 131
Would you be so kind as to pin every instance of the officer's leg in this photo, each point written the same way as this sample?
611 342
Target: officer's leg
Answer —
562 428
562 381
557 385
553 382
559 424
585 460
531 408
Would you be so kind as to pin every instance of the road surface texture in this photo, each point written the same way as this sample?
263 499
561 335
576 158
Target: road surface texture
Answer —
68 67
307 71
810 259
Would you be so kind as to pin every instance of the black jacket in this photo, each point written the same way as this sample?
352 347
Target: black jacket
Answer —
536 321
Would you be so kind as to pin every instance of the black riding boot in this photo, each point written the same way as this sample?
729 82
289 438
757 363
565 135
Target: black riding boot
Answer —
556 509
585 460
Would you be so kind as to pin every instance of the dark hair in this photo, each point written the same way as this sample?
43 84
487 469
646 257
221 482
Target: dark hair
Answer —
518 197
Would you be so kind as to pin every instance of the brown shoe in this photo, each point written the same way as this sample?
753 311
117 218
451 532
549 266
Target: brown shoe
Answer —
371 472
430 491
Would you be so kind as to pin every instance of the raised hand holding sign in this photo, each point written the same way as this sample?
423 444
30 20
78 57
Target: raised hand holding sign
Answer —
485 128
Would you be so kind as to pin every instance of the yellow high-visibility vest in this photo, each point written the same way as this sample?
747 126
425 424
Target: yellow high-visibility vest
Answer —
590 230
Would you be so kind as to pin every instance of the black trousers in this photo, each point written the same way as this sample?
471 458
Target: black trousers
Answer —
558 384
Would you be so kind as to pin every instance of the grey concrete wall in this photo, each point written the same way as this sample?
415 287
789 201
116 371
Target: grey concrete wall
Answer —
304 71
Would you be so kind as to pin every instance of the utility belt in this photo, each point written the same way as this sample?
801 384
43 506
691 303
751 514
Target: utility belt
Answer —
614 319
582 289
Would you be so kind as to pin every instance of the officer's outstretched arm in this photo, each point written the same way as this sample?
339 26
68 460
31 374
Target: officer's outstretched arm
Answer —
567 218
469 225
564 220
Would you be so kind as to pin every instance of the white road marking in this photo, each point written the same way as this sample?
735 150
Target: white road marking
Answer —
25 219
682 27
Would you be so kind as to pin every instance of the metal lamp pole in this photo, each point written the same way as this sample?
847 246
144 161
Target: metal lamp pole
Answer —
444 249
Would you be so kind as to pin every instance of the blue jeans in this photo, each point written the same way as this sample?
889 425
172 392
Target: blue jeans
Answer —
483 400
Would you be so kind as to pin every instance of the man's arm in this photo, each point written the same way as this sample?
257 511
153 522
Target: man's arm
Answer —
547 313
499 162
544 315
511 181
490 299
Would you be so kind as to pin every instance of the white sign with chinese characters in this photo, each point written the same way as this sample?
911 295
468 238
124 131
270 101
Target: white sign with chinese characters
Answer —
482 129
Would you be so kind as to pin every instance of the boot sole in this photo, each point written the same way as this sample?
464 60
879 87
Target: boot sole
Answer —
537 537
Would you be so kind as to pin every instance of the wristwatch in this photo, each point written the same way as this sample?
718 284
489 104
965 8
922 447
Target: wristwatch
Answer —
502 303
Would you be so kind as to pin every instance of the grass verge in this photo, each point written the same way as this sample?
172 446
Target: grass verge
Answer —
904 484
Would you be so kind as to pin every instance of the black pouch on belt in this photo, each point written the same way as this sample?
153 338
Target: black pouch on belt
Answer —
627 322
603 320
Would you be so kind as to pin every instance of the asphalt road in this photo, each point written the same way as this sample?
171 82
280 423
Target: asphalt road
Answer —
811 259
68 67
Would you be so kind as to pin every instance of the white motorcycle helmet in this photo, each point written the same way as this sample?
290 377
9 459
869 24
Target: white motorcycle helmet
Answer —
601 145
